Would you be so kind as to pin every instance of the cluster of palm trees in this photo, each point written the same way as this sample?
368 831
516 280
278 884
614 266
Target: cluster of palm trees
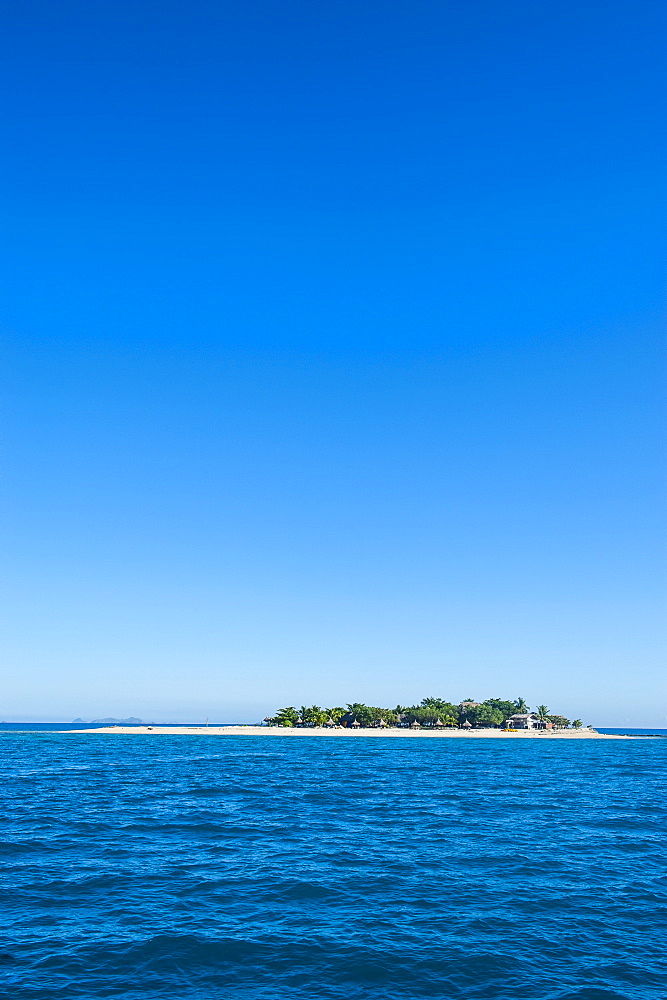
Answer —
544 715
430 712
542 712
306 716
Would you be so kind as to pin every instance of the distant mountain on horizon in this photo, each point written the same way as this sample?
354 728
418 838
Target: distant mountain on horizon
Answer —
118 722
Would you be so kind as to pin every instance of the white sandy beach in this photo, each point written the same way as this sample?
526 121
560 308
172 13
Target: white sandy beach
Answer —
350 734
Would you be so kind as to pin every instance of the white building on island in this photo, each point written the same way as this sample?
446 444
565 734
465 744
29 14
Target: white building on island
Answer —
527 720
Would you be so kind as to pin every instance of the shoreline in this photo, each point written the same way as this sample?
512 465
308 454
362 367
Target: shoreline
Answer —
278 732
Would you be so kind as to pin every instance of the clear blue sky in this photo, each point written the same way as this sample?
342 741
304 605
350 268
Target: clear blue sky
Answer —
332 360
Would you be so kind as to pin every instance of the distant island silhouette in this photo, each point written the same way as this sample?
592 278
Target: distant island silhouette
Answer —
109 722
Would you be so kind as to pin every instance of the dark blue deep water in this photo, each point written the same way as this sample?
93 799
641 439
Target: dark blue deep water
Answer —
239 867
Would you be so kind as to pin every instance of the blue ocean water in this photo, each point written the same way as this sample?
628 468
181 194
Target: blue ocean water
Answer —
222 867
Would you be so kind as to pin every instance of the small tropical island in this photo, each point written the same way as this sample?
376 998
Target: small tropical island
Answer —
431 718
431 713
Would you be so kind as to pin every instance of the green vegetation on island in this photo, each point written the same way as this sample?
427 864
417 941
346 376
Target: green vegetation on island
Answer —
431 713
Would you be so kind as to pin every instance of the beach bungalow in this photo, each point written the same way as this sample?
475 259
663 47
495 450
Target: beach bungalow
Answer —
527 720
520 720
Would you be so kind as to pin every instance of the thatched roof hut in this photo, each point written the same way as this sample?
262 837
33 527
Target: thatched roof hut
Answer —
467 724
356 724
414 724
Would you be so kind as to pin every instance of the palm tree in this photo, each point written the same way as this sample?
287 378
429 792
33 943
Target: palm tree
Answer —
521 705
542 712
313 715
577 723
286 716
317 715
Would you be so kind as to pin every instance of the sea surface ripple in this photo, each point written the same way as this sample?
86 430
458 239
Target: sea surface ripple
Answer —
219 867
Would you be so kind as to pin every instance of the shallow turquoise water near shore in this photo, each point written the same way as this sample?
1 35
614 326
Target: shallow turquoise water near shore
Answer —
185 867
